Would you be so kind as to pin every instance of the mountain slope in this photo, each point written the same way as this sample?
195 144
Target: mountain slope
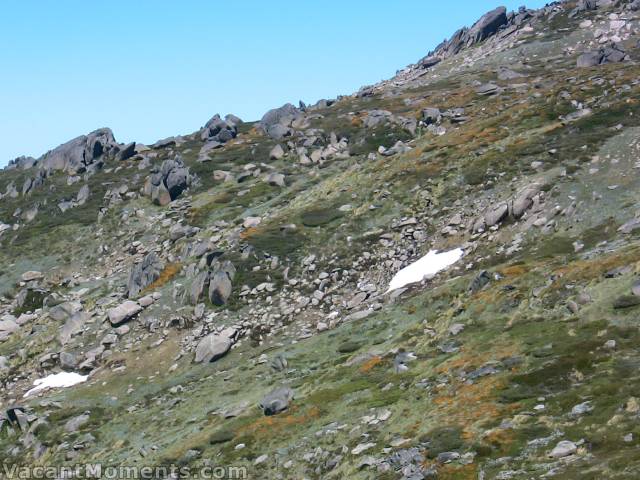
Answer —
225 293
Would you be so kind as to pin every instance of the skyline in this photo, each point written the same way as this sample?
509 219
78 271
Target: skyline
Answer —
152 70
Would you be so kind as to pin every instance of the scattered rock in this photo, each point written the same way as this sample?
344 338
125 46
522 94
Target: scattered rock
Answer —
144 274
276 401
123 312
563 449
215 346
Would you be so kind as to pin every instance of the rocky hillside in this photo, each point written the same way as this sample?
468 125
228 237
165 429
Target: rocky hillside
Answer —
222 298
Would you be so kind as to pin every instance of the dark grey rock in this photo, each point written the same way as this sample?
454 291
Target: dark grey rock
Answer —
276 401
22 163
220 284
123 312
524 200
76 423
126 152
219 130
73 326
282 115
83 195
68 361
198 286
144 274
496 215
169 182
214 346
612 54
431 115
479 282
626 301
487 25
278 131
164 143
77 155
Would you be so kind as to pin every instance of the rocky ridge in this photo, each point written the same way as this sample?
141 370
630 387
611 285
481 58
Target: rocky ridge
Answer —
225 292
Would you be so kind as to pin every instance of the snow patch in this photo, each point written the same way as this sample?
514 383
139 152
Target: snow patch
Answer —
432 263
58 380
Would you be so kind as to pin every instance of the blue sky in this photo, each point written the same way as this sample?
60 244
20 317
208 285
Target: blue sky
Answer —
151 69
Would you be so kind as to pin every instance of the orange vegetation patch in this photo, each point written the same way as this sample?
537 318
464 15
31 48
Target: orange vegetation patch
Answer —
551 127
477 403
500 438
414 153
588 269
484 299
275 423
469 359
452 471
515 270
356 121
370 364
250 232
170 271
473 404
458 472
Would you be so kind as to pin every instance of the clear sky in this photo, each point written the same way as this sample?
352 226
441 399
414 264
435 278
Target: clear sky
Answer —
151 69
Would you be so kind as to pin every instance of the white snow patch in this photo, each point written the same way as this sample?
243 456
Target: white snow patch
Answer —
58 380
432 263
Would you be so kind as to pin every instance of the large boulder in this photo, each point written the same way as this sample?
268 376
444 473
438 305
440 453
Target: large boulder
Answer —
514 208
64 310
279 131
496 214
198 287
276 401
168 183
276 152
22 163
219 288
126 152
276 179
11 191
177 181
144 274
8 325
586 5
72 326
524 200
83 195
589 59
123 312
487 25
31 275
74 424
219 130
220 283
26 186
431 115
276 122
285 114
612 54
214 346
77 155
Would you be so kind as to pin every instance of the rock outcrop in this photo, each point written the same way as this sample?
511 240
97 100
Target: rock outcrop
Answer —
276 123
214 346
168 183
82 153
612 54
144 274
487 26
